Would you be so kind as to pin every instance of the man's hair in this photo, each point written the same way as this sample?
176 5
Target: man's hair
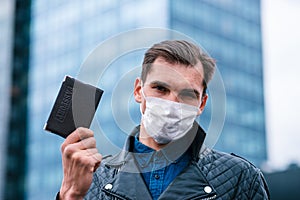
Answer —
179 52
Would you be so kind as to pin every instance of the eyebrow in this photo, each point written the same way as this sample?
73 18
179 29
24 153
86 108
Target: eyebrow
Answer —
168 86
160 83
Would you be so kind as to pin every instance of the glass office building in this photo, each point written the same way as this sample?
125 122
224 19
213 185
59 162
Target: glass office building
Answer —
6 41
231 32
64 33
62 36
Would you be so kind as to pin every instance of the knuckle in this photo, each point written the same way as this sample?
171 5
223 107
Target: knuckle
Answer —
69 151
88 143
65 145
90 132
90 152
82 160
62 147
81 157
80 129
97 157
77 158
93 142
84 132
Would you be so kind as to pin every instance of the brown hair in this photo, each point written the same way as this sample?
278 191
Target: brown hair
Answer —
181 52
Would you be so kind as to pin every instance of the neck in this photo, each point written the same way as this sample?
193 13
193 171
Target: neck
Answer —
145 139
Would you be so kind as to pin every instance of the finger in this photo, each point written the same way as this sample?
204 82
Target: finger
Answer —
98 158
96 166
84 147
76 136
89 156
87 143
85 161
90 152
80 134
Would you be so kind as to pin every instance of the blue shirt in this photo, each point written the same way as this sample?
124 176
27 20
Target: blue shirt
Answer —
157 170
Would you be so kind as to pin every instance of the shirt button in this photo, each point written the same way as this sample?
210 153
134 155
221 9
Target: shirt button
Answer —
108 186
207 189
156 176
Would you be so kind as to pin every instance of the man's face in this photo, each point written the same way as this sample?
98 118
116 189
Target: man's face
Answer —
174 82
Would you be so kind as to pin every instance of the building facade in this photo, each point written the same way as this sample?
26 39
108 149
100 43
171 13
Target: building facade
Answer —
14 23
231 32
62 36
6 41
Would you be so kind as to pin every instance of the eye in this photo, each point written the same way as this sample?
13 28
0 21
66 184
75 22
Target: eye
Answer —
189 95
160 88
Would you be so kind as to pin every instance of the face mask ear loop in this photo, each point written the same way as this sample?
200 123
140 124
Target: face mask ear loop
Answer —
143 94
142 89
141 110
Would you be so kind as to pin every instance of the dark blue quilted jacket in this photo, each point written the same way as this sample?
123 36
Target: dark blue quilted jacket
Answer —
210 175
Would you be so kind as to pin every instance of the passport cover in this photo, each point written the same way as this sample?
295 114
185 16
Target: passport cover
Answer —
74 107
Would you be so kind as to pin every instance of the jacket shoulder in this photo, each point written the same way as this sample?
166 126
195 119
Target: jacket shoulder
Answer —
232 176
211 158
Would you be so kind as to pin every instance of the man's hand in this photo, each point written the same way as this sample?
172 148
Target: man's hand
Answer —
80 159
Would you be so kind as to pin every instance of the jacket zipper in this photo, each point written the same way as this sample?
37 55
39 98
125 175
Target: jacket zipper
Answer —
114 196
209 198
206 198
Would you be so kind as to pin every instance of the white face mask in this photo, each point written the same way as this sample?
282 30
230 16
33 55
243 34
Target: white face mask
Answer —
166 120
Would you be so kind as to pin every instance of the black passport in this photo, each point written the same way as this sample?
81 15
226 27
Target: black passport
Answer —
74 107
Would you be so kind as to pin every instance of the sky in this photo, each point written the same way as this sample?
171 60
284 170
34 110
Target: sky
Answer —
281 48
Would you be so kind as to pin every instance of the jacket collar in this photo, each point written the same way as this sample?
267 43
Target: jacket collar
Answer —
129 184
192 142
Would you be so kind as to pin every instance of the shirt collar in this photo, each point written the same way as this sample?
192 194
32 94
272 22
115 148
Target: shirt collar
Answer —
140 147
145 154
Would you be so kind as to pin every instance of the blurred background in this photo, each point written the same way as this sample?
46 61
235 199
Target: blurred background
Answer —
255 43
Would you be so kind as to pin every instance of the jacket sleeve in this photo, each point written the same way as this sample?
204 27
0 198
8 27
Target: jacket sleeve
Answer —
259 188
57 196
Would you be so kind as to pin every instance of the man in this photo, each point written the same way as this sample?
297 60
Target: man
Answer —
164 157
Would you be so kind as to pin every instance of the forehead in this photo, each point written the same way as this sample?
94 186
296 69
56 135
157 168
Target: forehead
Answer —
177 75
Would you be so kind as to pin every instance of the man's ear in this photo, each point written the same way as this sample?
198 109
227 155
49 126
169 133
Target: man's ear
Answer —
203 103
137 90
